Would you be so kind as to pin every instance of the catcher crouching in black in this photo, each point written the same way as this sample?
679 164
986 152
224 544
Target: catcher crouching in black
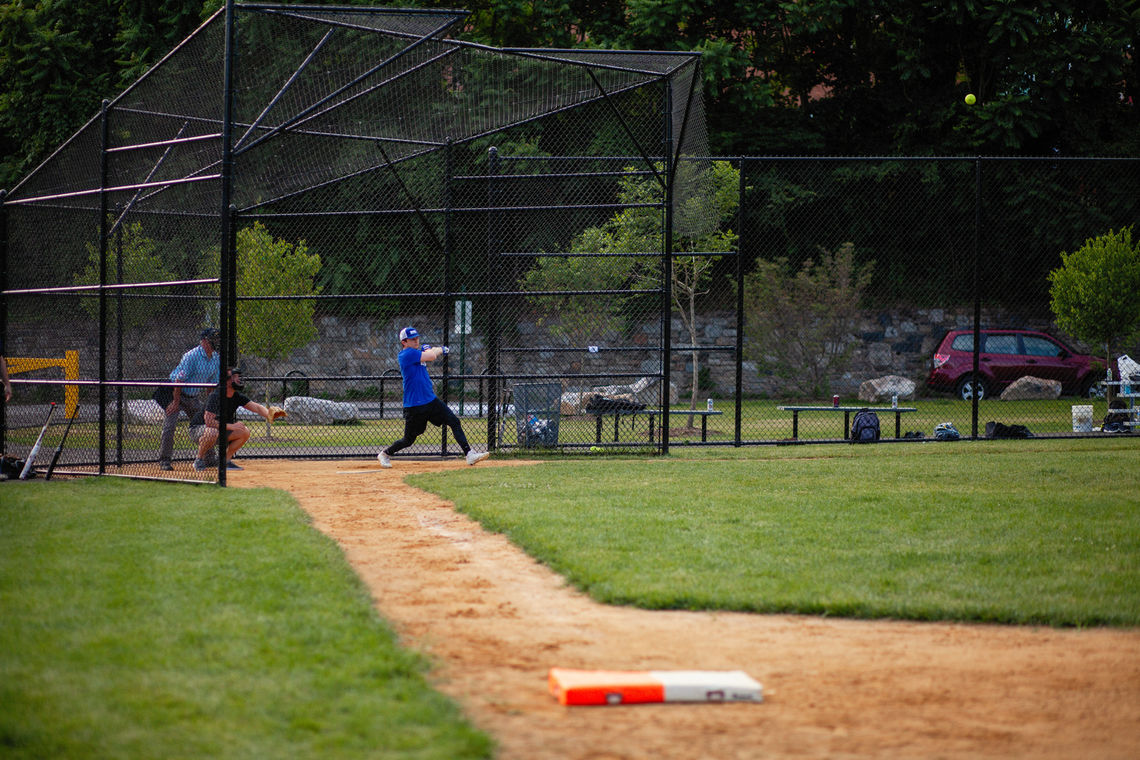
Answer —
204 425
421 405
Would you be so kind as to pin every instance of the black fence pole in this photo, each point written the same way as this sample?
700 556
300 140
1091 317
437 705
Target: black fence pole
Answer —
447 260
741 222
667 267
120 407
3 312
227 268
977 295
103 169
493 327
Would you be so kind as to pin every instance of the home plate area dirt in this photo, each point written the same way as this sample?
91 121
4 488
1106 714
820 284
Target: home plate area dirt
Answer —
493 622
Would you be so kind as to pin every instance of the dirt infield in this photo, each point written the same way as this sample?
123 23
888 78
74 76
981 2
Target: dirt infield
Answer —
493 621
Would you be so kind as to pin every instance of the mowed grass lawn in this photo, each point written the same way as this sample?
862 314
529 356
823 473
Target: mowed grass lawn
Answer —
1005 531
142 620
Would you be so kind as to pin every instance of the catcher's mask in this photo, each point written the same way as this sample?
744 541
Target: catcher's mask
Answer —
210 334
234 376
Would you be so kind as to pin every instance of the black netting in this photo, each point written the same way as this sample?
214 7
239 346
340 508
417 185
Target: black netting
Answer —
552 216
379 173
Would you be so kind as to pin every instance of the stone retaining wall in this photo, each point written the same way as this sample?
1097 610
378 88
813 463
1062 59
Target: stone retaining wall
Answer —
888 342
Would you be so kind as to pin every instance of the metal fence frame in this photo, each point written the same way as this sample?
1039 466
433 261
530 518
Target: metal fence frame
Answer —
480 211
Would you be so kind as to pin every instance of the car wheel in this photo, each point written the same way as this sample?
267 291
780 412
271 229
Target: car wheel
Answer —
1093 389
968 386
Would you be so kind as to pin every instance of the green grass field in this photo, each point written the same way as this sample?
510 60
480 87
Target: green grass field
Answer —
147 620
161 620
1007 531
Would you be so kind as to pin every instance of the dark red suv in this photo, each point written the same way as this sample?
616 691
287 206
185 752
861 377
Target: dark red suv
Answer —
1007 355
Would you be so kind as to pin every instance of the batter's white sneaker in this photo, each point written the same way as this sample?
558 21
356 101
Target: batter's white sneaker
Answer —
473 457
385 460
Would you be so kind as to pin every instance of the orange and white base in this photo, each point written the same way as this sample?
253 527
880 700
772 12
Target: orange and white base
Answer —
623 687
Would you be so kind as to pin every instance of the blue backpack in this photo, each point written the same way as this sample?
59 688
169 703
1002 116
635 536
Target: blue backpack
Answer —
865 428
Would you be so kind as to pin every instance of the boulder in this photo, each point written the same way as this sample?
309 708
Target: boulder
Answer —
244 415
882 388
1031 388
645 391
145 411
573 401
306 410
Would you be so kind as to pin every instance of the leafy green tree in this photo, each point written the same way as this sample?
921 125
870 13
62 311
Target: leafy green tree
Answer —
141 262
886 77
798 322
830 77
1095 294
639 230
267 327
59 60
575 318
691 275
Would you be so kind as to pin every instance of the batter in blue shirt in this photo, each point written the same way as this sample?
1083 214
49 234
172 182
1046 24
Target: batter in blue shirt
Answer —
421 405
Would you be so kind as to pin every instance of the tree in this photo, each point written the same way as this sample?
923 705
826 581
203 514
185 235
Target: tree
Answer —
1095 294
140 263
639 230
799 321
59 60
838 77
814 77
132 257
267 327
692 274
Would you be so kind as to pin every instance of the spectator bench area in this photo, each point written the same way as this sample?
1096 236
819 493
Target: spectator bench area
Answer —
881 411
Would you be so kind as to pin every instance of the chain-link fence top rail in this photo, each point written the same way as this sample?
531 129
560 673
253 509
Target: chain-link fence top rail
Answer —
359 136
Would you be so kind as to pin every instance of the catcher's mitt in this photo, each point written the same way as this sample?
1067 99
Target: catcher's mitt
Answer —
276 413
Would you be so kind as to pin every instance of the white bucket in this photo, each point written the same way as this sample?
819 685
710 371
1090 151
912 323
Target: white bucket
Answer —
1082 419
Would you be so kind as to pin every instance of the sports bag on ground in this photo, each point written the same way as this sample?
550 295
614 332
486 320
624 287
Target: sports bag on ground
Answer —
945 431
1118 419
1001 430
865 428
11 467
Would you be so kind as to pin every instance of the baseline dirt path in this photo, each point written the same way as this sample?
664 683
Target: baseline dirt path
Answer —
493 621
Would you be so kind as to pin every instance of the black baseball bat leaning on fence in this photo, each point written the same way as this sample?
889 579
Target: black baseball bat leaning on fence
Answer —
36 449
59 448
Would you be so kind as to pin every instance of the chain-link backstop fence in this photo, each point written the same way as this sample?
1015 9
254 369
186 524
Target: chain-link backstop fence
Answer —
309 181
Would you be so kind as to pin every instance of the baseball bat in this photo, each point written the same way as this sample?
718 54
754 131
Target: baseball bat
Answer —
59 448
36 449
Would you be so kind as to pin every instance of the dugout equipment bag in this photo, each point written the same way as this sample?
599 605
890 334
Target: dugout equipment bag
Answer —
865 428
945 431
11 467
1000 430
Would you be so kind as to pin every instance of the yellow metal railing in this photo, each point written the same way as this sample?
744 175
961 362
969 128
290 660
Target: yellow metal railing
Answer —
70 365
